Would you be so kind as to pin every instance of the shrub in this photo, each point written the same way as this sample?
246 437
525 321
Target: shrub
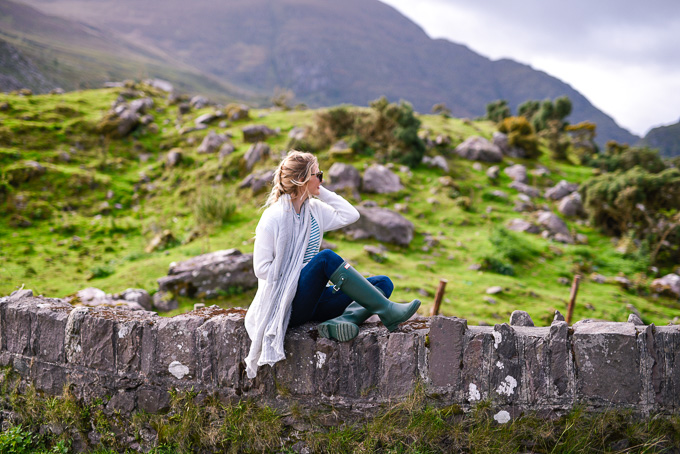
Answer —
331 125
640 202
622 157
16 440
520 134
497 110
213 207
508 248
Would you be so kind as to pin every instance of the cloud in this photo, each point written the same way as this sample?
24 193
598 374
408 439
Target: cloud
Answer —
622 55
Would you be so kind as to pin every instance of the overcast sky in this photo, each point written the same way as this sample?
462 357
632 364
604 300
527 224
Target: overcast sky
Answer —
623 56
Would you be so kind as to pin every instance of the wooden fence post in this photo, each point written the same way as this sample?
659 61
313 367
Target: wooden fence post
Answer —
438 298
572 298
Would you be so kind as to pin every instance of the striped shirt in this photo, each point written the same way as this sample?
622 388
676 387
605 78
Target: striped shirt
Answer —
314 242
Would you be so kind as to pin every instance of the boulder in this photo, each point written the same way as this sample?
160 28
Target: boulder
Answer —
203 276
501 141
141 106
256 133
127 122
199 102
571 205
437 161
160 84
382 224
520 225
208 118
518 172
212 142
161 241
256 153
477 148
561 190
520 318
343 176
552 223
669 285
525 189
493 172
226 149
298 133
258 181
174 157
235 112
380 180
136 295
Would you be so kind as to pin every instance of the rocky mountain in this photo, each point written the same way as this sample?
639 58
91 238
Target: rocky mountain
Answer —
41 52
327 53
665 138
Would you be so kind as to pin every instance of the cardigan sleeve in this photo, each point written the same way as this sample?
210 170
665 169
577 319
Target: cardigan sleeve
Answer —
336 211
263 253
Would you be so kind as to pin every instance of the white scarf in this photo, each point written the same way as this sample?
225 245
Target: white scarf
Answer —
272 304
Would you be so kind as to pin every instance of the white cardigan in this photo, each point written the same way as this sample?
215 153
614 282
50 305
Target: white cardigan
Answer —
331 212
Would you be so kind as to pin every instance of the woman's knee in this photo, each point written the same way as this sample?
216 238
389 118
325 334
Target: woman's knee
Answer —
384 283
329 257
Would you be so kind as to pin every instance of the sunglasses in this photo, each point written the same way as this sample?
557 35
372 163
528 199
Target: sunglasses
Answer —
319 175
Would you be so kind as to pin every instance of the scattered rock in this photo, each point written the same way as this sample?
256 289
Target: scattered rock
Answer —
553 223
571 205
298 133
208 118
136 295
563 281
501 141
525 189
624 282
540 171
475 267
235 112
437 161
520 318
375 253
199 102
203 276
380 180
518 172
256 133
596 277
141 106
490 300
258 181
477 148
494 290
520 225
94 297
161 241
669 285
212 142
343 176
160 84
256 153
385 225
500 194
561 190
493 172
174 157
558 317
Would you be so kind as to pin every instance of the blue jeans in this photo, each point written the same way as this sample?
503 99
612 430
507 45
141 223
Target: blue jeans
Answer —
314 301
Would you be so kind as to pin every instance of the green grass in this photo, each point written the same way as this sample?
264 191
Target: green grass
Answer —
78 237
199 423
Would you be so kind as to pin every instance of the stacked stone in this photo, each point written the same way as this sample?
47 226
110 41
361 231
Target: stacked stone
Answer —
136 357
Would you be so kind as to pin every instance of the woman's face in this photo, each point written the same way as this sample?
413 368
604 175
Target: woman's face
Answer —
314 183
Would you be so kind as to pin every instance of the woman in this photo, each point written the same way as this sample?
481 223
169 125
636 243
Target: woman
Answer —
293 275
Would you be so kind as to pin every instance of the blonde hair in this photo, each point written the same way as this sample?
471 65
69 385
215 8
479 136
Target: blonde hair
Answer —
293 173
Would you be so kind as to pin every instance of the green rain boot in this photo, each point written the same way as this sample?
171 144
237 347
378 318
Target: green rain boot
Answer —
345 327
357 287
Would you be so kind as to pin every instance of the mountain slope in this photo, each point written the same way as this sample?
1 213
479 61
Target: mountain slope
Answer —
329 53
665 138
40 52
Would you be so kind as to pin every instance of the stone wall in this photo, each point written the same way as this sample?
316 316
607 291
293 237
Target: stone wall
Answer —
131 359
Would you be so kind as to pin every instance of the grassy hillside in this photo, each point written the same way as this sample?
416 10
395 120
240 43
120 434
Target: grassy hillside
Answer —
86 217
664 138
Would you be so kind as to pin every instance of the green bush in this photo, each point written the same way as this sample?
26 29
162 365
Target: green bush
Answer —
16 440
520 134
497 110
508 248
622 157
214 207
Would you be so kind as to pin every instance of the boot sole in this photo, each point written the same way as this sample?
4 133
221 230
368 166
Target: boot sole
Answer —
409 314
342 332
